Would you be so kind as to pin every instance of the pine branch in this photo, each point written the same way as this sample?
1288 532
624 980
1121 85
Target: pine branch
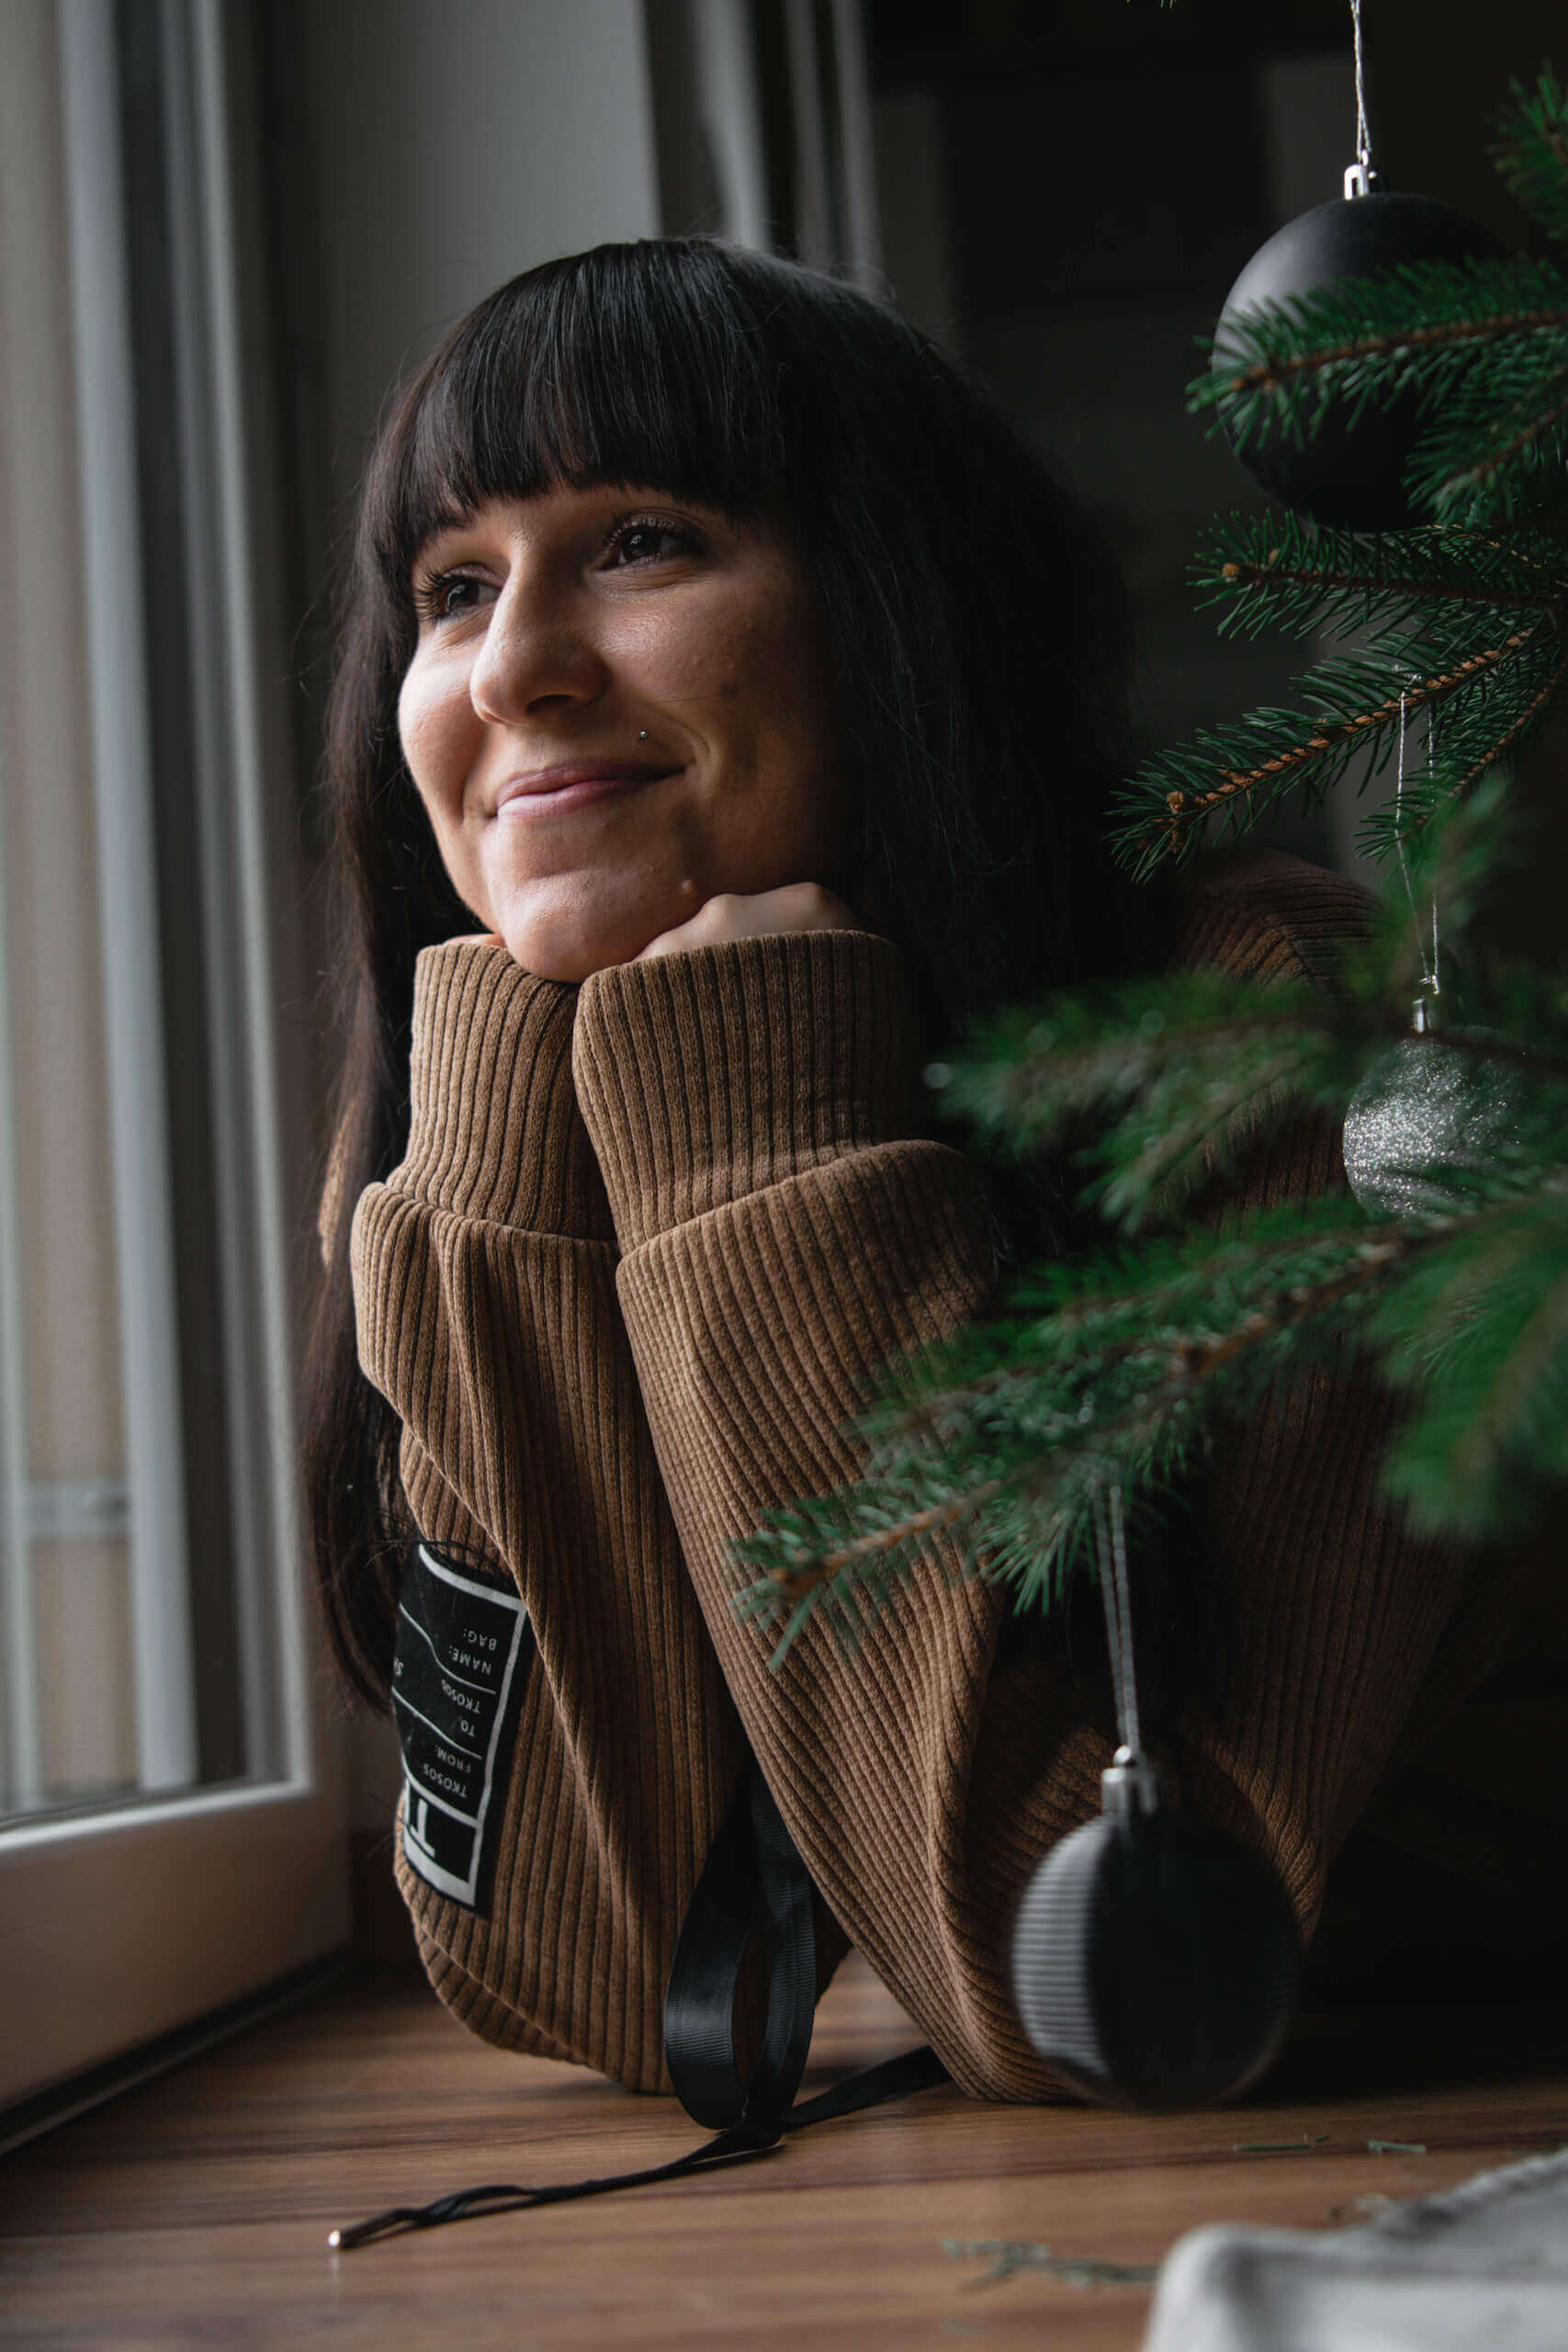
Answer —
1024 1076
1141 1300
1277 570
1547 527
1273 371
1534 710
1484 1328
1470 466
1532 151
1393 827
1481 717
1521 1005
1423 327
1177 1077
1321 585
1023 1446
1175 1080
1301 1304
1272 751
850 1550
810 1571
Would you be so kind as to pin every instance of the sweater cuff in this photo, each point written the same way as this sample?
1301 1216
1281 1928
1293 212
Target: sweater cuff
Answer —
709 1073
495 1131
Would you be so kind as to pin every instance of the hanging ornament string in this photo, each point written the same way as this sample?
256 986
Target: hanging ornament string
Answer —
1154 1956
1112 1543
1421 1119
1430 982
1363 164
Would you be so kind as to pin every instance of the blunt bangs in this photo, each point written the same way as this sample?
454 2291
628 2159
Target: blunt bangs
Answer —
630 363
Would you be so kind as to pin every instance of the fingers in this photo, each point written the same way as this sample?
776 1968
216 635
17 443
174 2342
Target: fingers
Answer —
729 914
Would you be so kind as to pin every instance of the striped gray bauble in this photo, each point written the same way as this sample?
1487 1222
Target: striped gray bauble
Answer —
1155 1960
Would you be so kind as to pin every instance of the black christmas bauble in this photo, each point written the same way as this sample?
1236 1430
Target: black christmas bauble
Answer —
1350 476
1155 1960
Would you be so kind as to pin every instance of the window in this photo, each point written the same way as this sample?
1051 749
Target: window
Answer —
169 1833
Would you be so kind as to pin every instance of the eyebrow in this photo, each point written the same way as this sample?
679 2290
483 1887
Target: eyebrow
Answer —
432 537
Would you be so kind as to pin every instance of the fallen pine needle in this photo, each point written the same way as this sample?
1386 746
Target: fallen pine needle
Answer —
1277 2147
1008 2256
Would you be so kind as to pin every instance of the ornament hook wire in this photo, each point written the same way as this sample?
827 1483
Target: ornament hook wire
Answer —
1133 1784
1431 982
1110 1537
1361 178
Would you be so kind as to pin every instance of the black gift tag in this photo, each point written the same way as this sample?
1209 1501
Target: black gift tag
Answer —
459 1669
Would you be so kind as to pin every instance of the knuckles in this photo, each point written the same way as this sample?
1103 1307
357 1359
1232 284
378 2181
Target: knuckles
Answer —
732 914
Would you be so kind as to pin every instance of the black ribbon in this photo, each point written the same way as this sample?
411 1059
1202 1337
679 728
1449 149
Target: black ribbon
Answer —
753 1864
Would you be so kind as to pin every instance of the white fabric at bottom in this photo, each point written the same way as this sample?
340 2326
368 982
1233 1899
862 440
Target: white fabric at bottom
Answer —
1479 2269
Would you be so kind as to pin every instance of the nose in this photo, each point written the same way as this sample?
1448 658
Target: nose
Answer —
537 652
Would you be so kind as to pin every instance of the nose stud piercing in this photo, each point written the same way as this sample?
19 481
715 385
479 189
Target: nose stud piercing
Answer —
642 734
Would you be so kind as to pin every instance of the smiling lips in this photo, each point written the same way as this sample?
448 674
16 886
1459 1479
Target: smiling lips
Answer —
543 790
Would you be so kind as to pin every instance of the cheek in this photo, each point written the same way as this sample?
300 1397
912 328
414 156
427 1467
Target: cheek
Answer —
776 689
695 652
758 674
432 731
438 752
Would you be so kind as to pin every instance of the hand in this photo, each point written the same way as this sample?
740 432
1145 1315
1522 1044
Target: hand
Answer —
799 906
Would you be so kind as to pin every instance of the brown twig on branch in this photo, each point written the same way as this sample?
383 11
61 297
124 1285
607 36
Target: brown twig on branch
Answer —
1498 527
1527 718
1273 374
1270 574
795 1583
1198 1360
1187 808
1520 440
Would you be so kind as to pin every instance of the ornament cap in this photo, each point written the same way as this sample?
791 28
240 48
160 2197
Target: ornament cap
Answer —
1360 179
1132 1783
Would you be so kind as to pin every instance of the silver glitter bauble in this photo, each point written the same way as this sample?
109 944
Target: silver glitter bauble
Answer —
1421 1108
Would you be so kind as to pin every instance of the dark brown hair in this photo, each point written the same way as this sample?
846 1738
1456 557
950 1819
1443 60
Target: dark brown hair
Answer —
979 636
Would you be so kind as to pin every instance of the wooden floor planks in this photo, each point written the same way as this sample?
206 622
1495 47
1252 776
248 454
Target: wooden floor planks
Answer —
195 2209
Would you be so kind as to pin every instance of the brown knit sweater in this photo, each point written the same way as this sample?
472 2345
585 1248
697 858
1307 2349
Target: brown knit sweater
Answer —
651 1238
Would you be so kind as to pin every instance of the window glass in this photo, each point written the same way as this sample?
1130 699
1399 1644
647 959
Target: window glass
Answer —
138 1547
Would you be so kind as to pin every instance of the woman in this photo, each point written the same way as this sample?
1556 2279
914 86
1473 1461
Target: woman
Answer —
724 658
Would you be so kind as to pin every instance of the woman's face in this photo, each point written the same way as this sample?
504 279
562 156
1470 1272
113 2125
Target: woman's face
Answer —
618 708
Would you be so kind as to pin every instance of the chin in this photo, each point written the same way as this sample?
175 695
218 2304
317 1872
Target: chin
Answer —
560 949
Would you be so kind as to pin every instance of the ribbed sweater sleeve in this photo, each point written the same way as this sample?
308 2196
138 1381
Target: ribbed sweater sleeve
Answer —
784 1233
485 1282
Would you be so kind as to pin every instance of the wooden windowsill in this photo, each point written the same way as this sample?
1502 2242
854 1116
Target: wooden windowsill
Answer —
198 2205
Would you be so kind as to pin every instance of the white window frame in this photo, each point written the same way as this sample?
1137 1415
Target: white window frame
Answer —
124 1923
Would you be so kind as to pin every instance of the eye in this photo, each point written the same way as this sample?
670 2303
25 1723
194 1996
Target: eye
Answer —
446 594
648 538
